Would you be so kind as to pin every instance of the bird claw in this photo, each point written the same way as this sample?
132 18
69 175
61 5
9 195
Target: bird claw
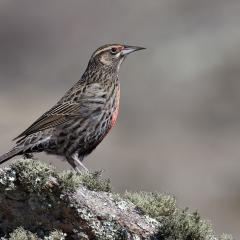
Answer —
29 156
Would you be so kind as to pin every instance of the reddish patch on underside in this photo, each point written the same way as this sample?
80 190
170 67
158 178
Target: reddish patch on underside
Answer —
114 117
115 113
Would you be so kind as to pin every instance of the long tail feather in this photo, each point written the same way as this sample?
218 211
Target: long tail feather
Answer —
9 155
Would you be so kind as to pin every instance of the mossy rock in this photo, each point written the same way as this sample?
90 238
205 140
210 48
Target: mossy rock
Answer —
37 202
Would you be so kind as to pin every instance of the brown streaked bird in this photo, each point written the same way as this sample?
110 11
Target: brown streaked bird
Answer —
80 120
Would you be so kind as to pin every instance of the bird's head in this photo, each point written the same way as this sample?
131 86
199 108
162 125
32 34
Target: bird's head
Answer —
112 55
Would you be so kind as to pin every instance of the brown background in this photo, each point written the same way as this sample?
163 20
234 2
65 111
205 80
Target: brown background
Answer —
179 124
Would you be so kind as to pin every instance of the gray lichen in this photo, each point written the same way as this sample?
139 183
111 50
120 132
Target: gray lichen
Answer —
81 206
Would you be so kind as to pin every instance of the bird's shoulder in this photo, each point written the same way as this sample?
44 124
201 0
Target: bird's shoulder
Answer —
81 91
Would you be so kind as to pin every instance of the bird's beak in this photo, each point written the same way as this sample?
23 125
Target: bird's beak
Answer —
129 49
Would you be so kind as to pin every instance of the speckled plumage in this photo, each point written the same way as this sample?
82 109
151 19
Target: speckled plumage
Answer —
83 116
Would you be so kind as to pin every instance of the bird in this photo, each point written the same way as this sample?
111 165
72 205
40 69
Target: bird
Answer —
81 119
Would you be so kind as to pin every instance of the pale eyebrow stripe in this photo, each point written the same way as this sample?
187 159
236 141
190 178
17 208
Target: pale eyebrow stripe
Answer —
104 49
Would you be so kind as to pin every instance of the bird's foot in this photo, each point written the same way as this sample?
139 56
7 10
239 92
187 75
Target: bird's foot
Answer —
29 156
78 165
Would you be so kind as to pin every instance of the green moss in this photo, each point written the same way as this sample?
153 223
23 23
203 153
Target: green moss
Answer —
32 175
174 223
153 204
185 226
70 180
22 234
56 235
94 182
226 237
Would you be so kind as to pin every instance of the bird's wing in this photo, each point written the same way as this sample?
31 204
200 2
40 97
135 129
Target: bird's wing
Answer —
57 115
90 103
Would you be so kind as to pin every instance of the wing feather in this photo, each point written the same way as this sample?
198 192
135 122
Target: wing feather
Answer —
58 115
91 101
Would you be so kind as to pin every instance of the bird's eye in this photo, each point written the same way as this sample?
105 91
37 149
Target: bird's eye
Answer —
114 50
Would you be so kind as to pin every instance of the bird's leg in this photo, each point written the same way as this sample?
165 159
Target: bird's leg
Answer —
78 162
73 164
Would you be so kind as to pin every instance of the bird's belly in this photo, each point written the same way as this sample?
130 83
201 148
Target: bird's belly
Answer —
83 135
101 129
104 122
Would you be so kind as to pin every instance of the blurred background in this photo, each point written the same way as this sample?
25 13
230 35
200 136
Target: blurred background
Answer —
179 125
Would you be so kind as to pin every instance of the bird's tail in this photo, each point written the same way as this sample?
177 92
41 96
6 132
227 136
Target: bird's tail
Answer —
9 155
